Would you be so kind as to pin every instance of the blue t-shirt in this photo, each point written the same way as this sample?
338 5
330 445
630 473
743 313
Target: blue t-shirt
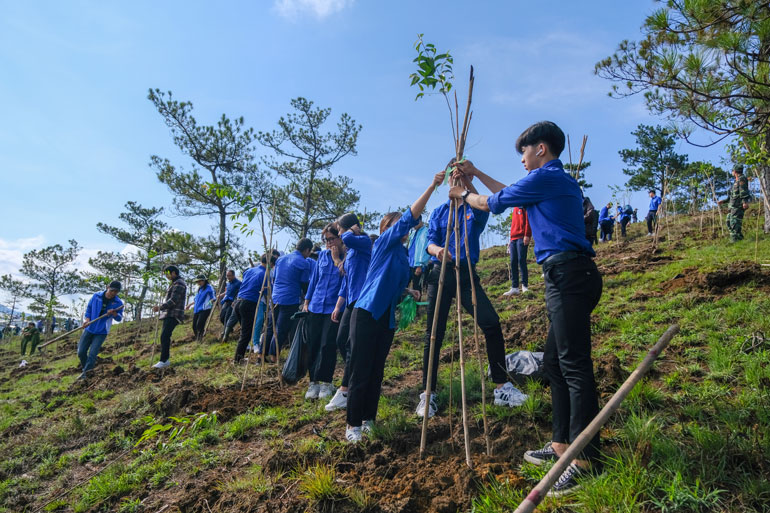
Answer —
253 283
604 214
554 206
388 271
655 202
204 298
476 220
621 215
94 309
231 291
324 287
291 271
357 259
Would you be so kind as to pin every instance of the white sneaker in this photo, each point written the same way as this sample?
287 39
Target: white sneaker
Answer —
432 408
338 402
511 292
325 390
510 396
353 434
161 365
524 289
312 390
367 427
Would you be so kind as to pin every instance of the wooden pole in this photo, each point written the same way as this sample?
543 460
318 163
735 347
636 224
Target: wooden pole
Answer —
476 333
434 327
155 336
41 346
269 307
254 327
221 288
538 493
466 435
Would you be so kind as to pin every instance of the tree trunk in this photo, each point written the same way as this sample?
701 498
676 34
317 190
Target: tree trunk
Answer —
764 174
222 241
140 301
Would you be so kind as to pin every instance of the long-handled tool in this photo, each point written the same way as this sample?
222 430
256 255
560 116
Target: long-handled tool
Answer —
78 329
538 493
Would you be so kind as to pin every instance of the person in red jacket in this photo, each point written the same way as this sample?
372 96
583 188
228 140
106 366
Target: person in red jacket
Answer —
521 234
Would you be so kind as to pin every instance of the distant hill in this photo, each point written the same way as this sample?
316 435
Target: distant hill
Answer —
5 310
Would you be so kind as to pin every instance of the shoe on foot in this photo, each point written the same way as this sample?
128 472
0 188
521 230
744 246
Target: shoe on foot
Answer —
367 427
161 365
82 377
339 401
353 434
510 396
432 408
312 390
524 289
511 292
568 481
325 390
540 456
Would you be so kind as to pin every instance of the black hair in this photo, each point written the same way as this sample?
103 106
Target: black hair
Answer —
546 132
651 191
738 169
304 244
273 258
230 271
171 269
332 228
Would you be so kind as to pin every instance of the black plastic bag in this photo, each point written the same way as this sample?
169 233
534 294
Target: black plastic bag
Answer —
296 366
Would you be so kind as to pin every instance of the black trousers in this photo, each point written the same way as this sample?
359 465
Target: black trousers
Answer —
246 312
652 216
169 323
284 326
487 318
370 344
572 290
199 322
343 341
623 223
606 230
415 279
225 311
322 345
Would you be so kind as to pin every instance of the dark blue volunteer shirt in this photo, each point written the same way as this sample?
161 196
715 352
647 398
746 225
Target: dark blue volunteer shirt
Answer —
388 271
231 291
253 282
204 298
357 259
291 271
94 309
476 220
554 205
621 215
324 286
655 202
604 214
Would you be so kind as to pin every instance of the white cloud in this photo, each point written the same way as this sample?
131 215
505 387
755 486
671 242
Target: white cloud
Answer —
12 253
319 8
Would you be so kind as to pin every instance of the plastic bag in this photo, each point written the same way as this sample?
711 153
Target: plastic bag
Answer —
296 365
523 365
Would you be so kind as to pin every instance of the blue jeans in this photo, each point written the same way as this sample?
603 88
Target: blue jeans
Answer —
259 323
518 258
93 342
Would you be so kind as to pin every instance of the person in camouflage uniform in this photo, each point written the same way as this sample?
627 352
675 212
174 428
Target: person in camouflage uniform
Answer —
738 202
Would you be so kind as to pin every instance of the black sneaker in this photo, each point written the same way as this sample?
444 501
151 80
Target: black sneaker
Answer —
541 456
568 481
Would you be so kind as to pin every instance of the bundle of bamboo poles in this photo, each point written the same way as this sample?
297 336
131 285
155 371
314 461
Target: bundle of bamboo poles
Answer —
454 226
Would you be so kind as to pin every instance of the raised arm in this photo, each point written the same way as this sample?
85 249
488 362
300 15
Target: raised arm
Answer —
419 205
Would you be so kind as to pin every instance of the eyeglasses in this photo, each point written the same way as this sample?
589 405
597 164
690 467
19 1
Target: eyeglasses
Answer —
330 239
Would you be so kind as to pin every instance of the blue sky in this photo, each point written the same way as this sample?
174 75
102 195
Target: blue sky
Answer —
77 132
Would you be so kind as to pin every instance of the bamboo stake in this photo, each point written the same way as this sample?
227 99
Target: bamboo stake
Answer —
476 333
569 152
582 154
41 346
719 207
221 288
466 435
254 327
269 307
538 493
155 336
434 327
453 215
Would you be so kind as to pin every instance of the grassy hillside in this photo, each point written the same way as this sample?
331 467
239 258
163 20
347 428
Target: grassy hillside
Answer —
694 436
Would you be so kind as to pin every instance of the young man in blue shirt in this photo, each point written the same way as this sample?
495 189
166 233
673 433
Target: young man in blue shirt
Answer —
320 301
652 213
474 220
573 286
250 306
606 223
227 297
202 305
623 217
292 274
103 302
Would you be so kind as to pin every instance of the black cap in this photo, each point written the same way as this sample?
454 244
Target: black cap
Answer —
738 169
115 285
200 277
